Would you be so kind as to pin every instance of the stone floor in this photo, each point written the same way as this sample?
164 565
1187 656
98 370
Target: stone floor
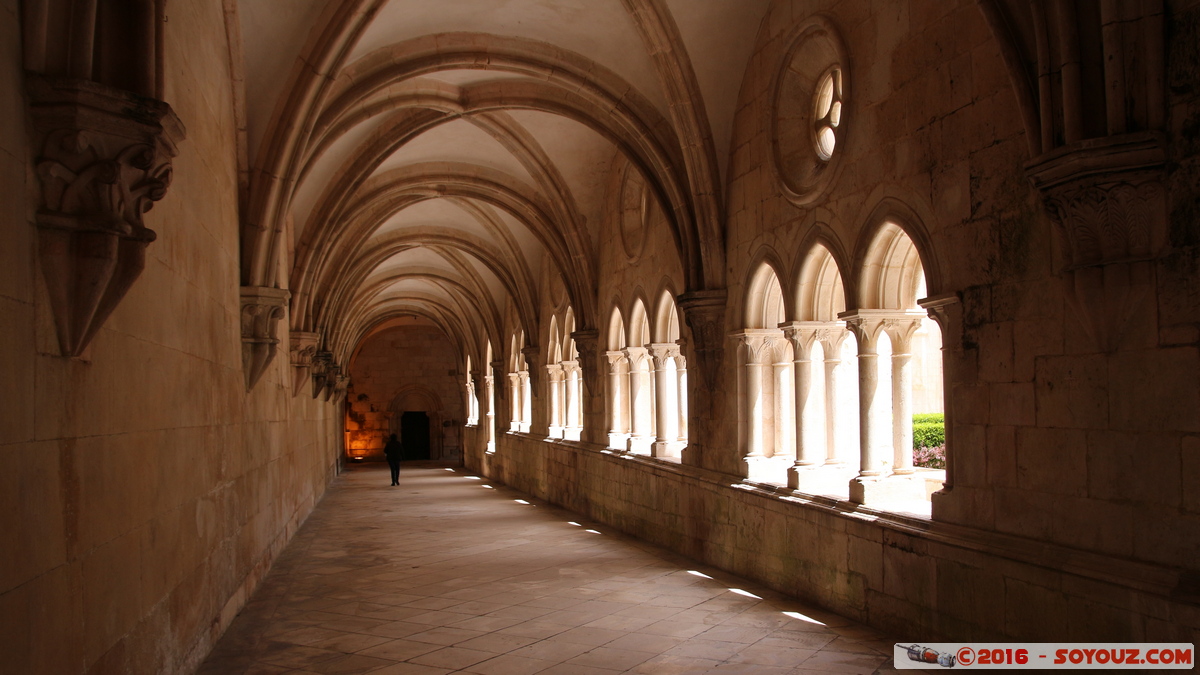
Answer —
449 574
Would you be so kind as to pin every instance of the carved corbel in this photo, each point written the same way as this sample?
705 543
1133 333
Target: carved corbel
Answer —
587 343
497 373
704 312
303 349
1106 199
340 384
332 373
531 357
321 370
104 159
262 308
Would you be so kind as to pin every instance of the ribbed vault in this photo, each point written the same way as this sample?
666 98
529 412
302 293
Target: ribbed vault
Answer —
437 160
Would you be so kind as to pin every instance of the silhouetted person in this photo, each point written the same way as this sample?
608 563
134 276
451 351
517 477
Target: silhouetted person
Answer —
393 450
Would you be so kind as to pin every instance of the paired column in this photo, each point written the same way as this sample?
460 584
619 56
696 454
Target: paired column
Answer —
640 400
526 401
489 391
867 326
618 400
571 393
756 348
831 343
900 332
554 373
802 335
667 406
682 399
514 402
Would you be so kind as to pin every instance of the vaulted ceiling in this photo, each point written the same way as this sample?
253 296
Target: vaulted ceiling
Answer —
434 159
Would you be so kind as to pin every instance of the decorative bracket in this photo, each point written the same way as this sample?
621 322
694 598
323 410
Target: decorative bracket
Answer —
322 367
1107 201
704 312
531 357
303 349
587 343
262 308
339 387
105 158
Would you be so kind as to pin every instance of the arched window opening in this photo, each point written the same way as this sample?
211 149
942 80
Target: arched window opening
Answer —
472 397
670 381
618 383
526 388
766 383
899 361
572 382
518 385
564 379
641 382
825 399
489 388
554 378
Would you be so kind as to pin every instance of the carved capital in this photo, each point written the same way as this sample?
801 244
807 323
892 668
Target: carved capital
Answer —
704 312
104 159
802 335
662 352
759 342
615 360
868 324
946 310
1106 199
262 308
635 356
303 349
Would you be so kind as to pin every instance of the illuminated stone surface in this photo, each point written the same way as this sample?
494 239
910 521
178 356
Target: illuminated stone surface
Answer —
443 574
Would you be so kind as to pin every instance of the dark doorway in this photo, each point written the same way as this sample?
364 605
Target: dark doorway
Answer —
414 433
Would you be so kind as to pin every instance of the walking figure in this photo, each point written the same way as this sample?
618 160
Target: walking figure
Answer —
393 450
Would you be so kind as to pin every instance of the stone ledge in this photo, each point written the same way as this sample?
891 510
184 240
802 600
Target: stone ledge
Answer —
1136 575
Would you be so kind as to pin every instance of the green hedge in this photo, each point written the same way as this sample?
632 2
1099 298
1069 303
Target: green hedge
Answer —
929 430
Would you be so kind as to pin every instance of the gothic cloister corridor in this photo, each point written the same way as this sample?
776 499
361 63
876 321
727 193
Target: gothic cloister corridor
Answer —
449 573
890 307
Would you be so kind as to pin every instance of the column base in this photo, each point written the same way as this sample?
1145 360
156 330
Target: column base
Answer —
764 469
639 445
665 449
874 489
555 432
618 441
802 477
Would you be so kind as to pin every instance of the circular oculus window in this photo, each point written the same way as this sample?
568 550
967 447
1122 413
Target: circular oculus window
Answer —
827 111
808 111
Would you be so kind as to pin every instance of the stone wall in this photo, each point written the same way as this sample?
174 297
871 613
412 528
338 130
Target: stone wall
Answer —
1070 512
909 576
143 492
398 369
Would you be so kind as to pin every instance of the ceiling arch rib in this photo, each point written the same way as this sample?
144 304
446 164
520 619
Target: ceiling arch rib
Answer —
490 255
329 46
398 188
357 270
480 306
368 311
566 84
631 140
